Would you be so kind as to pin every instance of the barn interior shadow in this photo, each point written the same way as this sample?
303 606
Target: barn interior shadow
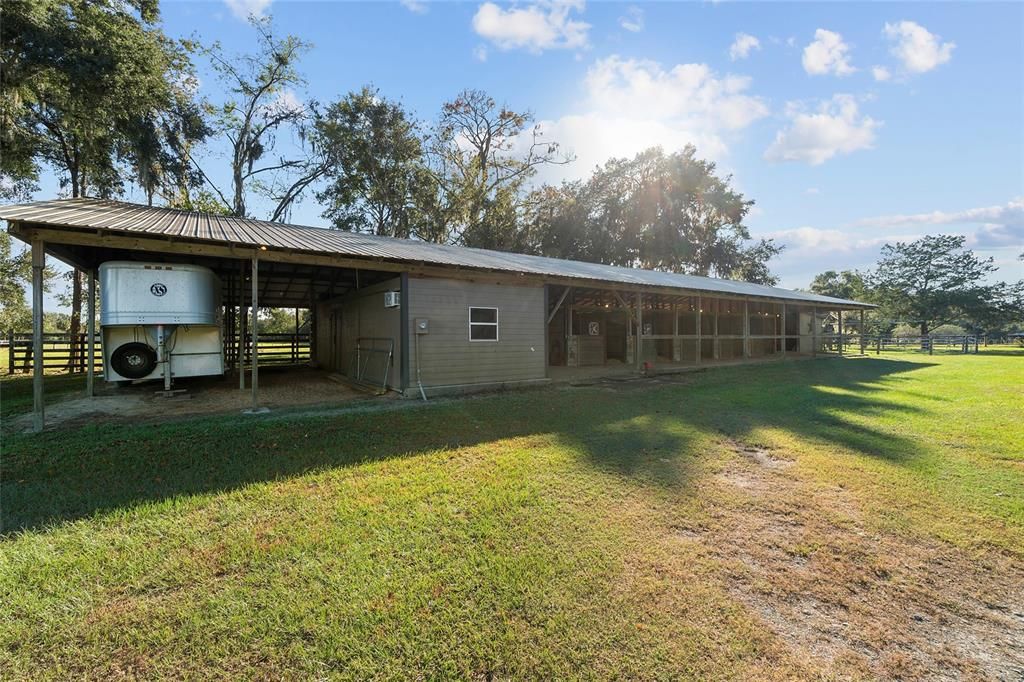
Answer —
644 431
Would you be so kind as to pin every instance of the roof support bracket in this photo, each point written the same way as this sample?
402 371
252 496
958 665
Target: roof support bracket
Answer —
558 305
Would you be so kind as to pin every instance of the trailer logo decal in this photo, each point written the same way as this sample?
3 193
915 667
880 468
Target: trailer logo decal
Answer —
158 289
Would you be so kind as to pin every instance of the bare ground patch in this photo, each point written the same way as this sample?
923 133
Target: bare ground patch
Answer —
280 388
856 602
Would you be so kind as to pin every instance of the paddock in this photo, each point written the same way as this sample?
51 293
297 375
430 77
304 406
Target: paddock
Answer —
421 320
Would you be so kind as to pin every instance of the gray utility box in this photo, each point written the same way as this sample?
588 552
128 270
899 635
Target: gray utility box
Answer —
159 320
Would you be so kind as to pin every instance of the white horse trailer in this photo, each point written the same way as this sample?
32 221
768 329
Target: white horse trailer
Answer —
159 321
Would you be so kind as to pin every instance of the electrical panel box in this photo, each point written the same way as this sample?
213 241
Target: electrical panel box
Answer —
422 325
392 299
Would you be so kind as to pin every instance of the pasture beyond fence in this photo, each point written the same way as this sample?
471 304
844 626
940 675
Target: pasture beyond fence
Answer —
64 352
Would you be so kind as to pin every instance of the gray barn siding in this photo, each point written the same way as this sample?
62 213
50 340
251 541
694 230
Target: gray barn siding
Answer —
340 322
449 358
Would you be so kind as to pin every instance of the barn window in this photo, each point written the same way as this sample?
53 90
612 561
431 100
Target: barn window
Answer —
483 324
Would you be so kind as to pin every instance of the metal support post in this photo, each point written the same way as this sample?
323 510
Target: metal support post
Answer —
38 263
90 329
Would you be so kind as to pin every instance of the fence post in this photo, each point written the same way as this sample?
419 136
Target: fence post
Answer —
878 348
931 346
10 352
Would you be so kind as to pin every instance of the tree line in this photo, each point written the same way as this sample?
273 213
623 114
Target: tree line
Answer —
927 285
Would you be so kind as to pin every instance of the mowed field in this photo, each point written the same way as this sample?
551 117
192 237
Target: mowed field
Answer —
834 518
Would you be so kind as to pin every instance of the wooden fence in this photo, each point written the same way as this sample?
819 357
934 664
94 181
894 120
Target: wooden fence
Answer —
67 353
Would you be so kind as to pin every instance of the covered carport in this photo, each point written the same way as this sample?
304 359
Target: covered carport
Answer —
258 264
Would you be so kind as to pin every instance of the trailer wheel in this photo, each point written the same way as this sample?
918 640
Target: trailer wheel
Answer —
133 360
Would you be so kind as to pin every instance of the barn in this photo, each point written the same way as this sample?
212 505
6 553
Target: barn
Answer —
426 319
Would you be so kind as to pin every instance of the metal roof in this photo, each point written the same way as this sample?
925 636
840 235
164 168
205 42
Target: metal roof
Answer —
116 216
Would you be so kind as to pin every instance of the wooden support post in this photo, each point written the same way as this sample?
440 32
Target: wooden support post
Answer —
295 339
840 332
242 319
746 330
715 350
558 305
313 359
639 330
863 338
90 329
677 351
38 263
255 332
784 339
814 331
700 341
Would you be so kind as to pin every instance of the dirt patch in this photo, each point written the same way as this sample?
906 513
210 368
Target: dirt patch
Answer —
280 388
857 602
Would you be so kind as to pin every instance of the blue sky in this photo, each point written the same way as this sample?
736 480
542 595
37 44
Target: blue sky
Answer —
850 124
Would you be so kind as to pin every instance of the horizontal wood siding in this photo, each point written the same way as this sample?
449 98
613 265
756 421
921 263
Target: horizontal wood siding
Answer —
449 358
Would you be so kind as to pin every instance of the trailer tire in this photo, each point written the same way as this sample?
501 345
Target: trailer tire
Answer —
133 360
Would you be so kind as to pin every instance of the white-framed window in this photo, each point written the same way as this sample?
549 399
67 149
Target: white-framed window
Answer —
483 324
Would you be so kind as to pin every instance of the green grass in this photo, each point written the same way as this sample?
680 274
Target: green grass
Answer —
531 534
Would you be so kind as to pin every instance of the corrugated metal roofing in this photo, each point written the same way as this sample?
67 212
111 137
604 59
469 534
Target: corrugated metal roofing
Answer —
136 219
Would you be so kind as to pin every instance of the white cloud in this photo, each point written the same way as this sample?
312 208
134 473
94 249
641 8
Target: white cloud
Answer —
415 6
1001 225
690 92
632 104
633 20
743 45
999 230
480 53
917 49
243 9
811 239
812 191
543 25
827 54
286 101
880 73
836 127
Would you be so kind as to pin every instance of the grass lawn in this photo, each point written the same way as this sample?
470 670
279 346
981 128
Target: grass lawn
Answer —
821 519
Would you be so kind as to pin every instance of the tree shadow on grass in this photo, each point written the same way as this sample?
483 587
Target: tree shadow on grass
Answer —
645 432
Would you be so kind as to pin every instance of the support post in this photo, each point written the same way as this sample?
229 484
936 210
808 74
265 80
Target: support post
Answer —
700 341
242 319
677 351
90 329
746 330
840 332
783 330
863 338
639 330
814 332
255 331
314 351
715 350
38 263
404 328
